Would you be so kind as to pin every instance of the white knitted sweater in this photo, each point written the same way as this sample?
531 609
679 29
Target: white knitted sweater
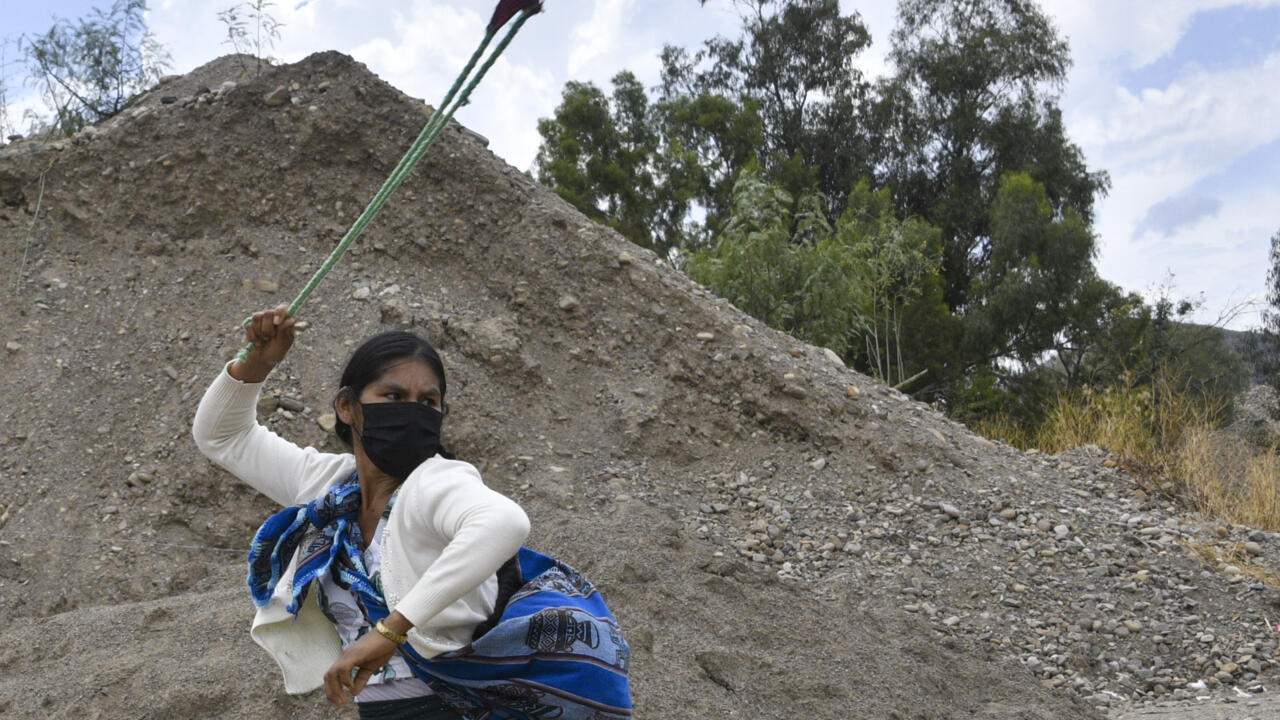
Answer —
446 537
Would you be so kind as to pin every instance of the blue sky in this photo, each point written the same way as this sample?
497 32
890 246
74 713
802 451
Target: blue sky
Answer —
1177 100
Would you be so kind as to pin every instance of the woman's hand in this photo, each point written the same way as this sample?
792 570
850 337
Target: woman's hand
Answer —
271 334
366 656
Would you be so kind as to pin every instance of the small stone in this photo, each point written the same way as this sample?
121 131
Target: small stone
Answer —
1008 513
706 336
291 404
276 97
395 311
1061 531
226 87
13 347
795 392
833 357
169 99
362 293
818 463
851 391
625 258
951 621
1133 625
1252 548
951 510
327 422
568 303
171 372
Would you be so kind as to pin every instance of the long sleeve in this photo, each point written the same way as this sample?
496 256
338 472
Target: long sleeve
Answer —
478 528
226 430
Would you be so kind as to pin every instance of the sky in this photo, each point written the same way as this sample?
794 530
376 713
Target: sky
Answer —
1176 100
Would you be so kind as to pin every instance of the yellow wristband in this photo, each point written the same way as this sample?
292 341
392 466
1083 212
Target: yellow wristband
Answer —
390 634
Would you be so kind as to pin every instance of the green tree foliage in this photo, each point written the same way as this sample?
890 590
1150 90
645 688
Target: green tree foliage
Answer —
768 263
1029 288
1261 348
783 95
974 98
793 66
88 69
598 153
1128 346
974 257
896 263
848 286
706 139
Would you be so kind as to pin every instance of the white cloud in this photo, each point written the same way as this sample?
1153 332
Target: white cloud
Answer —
594 38
431 44
1160 142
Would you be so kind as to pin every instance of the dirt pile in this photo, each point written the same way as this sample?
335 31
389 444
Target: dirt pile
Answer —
780 536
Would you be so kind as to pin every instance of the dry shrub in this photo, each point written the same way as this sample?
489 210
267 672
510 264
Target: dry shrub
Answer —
1225 477
1232 554
1003 427
1167 432
1117 419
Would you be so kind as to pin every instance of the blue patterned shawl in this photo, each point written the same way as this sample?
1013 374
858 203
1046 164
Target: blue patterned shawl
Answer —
556 651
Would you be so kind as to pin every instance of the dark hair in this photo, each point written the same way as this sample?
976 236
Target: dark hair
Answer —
378 353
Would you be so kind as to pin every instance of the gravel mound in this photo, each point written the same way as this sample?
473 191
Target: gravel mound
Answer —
780 536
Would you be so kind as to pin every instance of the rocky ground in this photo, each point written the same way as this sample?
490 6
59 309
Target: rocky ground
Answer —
1222 707
779 536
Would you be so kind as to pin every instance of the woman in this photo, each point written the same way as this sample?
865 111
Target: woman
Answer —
398 541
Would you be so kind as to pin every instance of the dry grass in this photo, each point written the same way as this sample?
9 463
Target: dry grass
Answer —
1227 478
1001 427
1234 554
1167 433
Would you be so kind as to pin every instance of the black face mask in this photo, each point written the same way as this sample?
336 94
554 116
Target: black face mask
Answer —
400 436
